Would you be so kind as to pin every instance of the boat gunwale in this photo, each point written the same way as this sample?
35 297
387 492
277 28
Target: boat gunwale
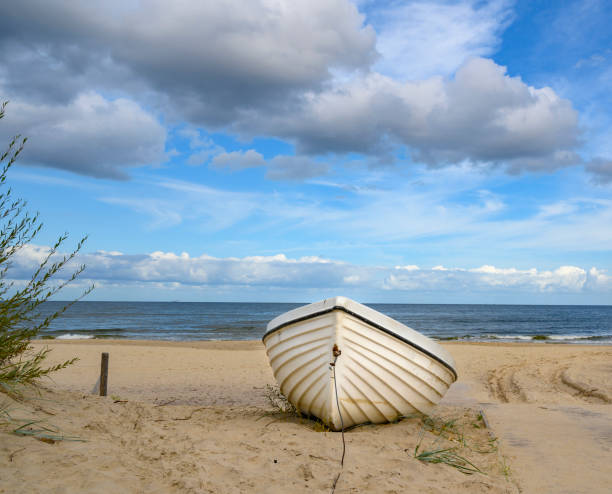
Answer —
366 320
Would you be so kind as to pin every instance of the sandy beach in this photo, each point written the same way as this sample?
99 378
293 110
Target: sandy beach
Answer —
194 417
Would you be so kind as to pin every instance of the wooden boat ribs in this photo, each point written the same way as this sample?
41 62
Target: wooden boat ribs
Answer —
384 370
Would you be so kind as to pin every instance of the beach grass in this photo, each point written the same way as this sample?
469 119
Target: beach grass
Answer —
455 441
36 428
447 456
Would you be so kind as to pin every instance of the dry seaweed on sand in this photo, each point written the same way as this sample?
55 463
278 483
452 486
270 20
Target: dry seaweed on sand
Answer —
283 409
279 403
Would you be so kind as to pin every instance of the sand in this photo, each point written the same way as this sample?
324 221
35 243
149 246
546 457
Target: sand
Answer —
194 417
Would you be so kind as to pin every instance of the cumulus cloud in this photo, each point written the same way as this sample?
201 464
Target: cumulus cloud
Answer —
481 114
598 278
166 267
212 59
486 277
299 70
315 272
202 62
565 277
90 136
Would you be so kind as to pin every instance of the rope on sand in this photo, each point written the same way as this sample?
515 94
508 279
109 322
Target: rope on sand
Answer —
337 353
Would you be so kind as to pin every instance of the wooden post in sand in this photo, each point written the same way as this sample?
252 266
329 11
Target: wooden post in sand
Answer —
104 374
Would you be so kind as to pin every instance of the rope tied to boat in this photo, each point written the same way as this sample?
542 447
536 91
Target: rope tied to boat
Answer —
337 352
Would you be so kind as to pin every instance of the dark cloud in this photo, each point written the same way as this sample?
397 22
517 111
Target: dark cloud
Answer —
256 68
238 160
481 115
204 62
295 168
212 59
600 169
281 167
89 136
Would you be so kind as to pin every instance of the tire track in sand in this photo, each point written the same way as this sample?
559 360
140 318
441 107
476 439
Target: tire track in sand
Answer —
548 380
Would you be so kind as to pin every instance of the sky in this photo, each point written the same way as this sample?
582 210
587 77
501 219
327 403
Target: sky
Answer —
293 150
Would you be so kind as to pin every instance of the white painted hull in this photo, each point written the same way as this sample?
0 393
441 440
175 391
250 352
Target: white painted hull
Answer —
381 374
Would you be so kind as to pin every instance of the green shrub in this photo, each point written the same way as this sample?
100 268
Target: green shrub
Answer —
20 317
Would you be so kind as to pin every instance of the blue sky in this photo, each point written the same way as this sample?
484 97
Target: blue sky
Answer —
443 152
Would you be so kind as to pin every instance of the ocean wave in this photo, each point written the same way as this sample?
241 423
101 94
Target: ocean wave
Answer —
569 338
508 337
71 336
453 338
596 338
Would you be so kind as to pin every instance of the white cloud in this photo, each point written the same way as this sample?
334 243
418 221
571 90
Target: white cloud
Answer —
314 272
558 209
561 280
351 280
410 267
419 39
598 278
276 270
91 135
566 277
595 60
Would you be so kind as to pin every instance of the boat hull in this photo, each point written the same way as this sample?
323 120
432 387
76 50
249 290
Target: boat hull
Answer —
379 376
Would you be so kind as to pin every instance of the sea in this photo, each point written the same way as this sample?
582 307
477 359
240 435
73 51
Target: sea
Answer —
185 321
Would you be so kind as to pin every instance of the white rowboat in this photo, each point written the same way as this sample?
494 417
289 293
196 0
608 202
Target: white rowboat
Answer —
383 369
